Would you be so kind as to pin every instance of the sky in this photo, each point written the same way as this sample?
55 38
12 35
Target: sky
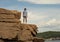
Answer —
44 13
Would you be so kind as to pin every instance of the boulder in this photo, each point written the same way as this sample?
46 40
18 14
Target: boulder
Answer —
10 20
8 13
27 32
9 23
30 27
5 16
36 39
11 26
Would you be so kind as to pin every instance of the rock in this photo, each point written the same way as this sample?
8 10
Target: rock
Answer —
31 27
4 16
17 14
36 39
26 32
26 35
1 40
9 23
8 32
4 11
11 26
10 12
10 20
2 24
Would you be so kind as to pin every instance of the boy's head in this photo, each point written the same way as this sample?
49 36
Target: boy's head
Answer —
24 8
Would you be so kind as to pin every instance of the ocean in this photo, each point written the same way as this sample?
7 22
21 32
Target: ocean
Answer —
52 41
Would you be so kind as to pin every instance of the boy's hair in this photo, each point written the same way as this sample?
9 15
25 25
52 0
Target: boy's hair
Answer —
24 8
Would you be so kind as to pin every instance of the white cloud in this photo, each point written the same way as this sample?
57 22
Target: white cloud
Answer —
34 16
51 23
42 1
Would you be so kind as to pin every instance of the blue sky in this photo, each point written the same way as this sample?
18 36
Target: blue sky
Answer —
44 13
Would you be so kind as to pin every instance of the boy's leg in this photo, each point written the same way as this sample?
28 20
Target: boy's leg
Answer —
24 19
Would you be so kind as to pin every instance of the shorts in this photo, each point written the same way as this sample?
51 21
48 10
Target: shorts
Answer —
24 16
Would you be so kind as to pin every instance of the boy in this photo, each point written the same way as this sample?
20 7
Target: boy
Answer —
25 16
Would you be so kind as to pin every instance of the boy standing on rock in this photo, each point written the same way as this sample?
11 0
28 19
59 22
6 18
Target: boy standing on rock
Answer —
25 16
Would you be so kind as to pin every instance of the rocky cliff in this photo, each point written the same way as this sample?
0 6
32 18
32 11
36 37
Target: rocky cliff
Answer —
11 26
8 23
28 32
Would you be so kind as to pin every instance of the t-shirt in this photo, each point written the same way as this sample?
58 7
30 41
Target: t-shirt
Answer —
24 13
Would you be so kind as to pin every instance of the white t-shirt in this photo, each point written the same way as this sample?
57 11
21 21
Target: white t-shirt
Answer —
24 13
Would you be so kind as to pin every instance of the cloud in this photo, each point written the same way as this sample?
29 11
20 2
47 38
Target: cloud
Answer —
50 25
42 1
50 22
34 16
53 23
